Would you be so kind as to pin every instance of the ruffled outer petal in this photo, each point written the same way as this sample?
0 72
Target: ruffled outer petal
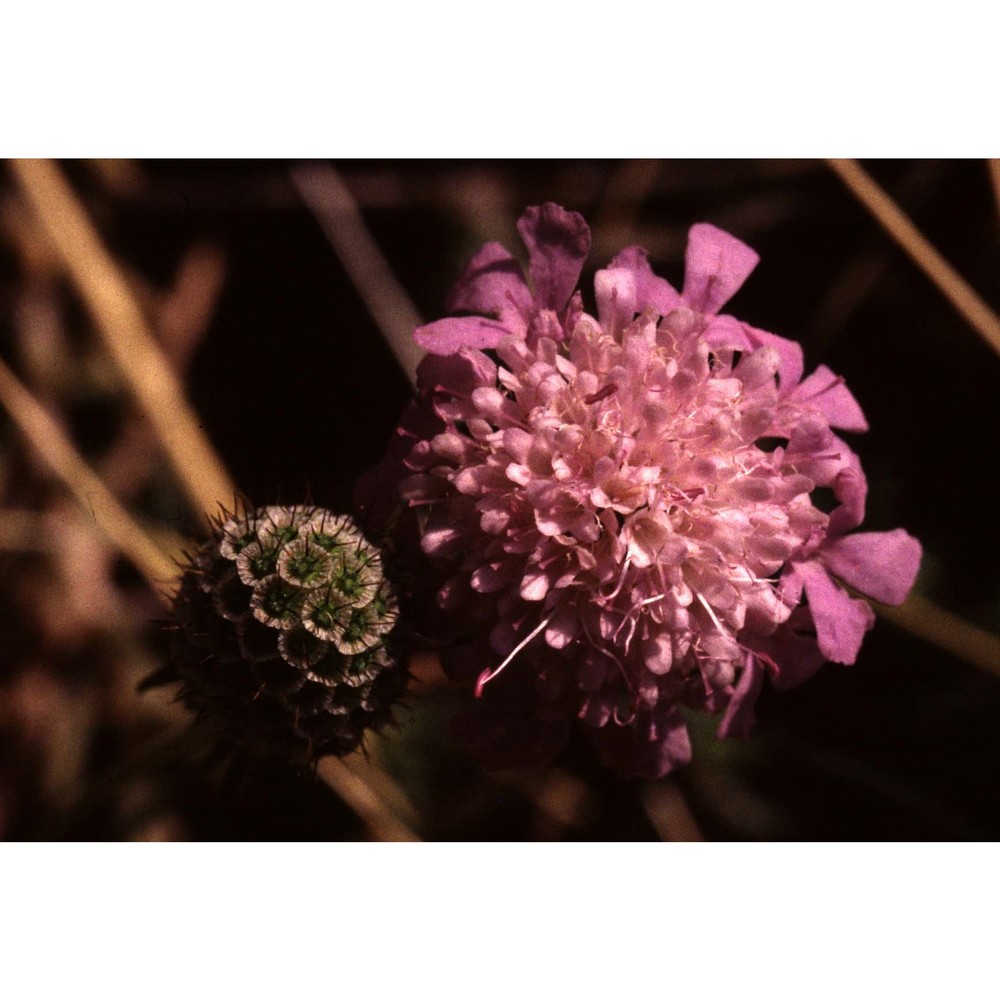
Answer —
376 495
792 362
558 242
651 291
841 620
793 649
615 291
851 488
446 336
725 331
630 751
493 285
828 394
716 265
739 718
881 564
460 373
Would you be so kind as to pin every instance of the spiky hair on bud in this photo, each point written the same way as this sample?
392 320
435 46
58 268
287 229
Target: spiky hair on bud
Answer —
283 633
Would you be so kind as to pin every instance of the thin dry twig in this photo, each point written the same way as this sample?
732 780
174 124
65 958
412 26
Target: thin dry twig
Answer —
898 225
125 333
335 209
55 447
946 630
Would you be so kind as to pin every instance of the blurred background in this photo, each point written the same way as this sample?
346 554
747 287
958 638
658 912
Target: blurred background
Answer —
274 316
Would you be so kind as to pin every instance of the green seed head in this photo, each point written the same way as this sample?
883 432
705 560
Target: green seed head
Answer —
294 601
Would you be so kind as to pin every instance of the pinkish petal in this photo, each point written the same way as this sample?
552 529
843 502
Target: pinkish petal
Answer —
535 585
724 331
493 285
448 336
614 289
376 495
792 647
881 564
651 291
851 488
460 373
841 620
828 394
739 717
792 363
650 748
558 243
716 264
563 628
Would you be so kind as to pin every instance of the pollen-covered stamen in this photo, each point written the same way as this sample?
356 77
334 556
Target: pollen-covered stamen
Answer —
487 675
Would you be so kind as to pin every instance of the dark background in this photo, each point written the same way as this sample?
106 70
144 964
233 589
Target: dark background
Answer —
299 394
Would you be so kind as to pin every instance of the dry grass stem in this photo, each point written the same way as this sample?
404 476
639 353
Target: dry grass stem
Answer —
669 813
994 166
335 209
359 794
561 800
366 767
946 630
898 225
22 531
125 333
187 309
55 447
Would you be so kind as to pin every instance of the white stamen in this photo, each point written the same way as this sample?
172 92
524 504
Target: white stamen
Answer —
711 613
487 675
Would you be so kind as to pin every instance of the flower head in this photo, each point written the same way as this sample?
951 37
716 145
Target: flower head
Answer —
282 633
620 502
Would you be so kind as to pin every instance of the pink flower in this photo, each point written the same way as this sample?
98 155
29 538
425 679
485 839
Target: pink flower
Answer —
616 539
